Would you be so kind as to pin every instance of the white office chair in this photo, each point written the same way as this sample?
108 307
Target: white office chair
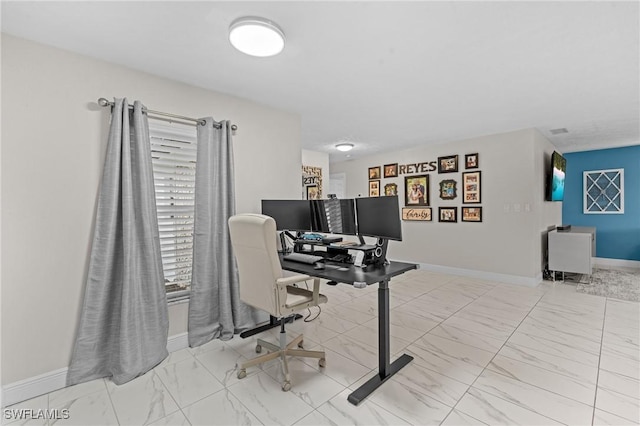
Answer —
263 286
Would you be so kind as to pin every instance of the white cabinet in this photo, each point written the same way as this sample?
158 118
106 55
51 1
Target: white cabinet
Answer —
572 250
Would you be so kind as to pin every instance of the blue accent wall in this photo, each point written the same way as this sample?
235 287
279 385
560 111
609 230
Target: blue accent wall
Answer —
617 235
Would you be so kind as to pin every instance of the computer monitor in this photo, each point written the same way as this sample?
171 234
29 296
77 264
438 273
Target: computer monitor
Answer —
290 215
379 217
334 216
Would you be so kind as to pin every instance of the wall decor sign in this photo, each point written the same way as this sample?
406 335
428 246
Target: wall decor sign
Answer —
390 189
416 190
471 187
424 167
374 188
448 164
448 214
374 173
312 175
422 214
448 189
471 161
391 170
472 214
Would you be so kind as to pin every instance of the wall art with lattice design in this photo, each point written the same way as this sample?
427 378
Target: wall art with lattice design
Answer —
603 191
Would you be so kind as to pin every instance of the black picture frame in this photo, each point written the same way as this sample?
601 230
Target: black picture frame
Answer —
448 189
471 161
374 188
418 196
391 170
448 164
472 187
391 189
374 173
471 214
448 214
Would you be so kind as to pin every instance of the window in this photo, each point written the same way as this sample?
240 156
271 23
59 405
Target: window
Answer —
173 152
603 191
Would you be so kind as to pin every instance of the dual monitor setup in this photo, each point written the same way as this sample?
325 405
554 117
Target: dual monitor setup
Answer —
376 217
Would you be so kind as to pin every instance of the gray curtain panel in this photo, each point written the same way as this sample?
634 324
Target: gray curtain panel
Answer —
124 321
215 308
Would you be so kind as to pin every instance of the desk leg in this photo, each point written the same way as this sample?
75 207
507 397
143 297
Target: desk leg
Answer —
386 369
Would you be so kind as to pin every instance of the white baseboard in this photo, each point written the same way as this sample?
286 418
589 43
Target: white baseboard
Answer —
606 263
177 342
23 390
483 275
34 386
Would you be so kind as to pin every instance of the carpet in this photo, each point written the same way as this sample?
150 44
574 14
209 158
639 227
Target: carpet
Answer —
611 283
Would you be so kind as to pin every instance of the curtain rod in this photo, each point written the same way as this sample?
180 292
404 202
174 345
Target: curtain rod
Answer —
104 102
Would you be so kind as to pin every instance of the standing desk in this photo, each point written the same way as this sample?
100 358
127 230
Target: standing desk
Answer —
350 274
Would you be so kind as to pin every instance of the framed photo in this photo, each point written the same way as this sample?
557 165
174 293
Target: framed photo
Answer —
422 214
448 214
390 189
472 214
471 187
374 173
391 170
312 192
448 189
416 190
374 188
471 161
448 164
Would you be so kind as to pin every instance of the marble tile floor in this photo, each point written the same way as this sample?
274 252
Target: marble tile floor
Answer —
484 353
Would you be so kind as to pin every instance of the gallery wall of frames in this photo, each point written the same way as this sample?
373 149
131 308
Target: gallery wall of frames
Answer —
413 184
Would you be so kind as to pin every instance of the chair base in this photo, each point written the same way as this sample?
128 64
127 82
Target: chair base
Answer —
282 353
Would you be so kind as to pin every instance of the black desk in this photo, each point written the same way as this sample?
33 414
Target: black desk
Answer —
350 274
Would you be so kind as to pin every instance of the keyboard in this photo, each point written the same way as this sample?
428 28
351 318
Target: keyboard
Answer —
303 258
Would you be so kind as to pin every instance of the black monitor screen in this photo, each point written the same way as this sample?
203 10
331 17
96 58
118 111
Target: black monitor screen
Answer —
290 215
379 217
334 216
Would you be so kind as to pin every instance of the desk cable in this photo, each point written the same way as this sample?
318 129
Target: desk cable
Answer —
306 319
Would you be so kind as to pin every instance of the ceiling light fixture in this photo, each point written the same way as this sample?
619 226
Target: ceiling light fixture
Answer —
256 36
344 147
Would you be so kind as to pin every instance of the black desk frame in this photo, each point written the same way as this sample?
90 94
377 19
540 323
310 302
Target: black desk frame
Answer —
350 274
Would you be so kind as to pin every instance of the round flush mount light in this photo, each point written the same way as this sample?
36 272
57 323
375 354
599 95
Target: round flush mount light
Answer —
256 36
344 147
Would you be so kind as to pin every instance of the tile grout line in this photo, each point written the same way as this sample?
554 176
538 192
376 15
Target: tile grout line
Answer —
496 354
595 395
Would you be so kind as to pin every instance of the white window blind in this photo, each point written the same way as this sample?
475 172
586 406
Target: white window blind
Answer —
173 152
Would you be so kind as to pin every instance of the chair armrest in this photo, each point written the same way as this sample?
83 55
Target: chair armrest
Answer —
285 281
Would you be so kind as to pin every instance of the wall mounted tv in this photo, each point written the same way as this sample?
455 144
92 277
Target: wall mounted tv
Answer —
557 172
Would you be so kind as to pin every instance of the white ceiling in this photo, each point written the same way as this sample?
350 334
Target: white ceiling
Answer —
384 75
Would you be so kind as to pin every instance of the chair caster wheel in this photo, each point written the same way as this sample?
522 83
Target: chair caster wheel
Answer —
322 362
242 373
286 386
258 349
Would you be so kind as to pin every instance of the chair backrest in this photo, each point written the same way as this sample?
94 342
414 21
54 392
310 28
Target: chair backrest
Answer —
253 237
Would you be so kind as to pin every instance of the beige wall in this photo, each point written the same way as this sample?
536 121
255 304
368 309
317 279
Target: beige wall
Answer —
512 202
53 143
